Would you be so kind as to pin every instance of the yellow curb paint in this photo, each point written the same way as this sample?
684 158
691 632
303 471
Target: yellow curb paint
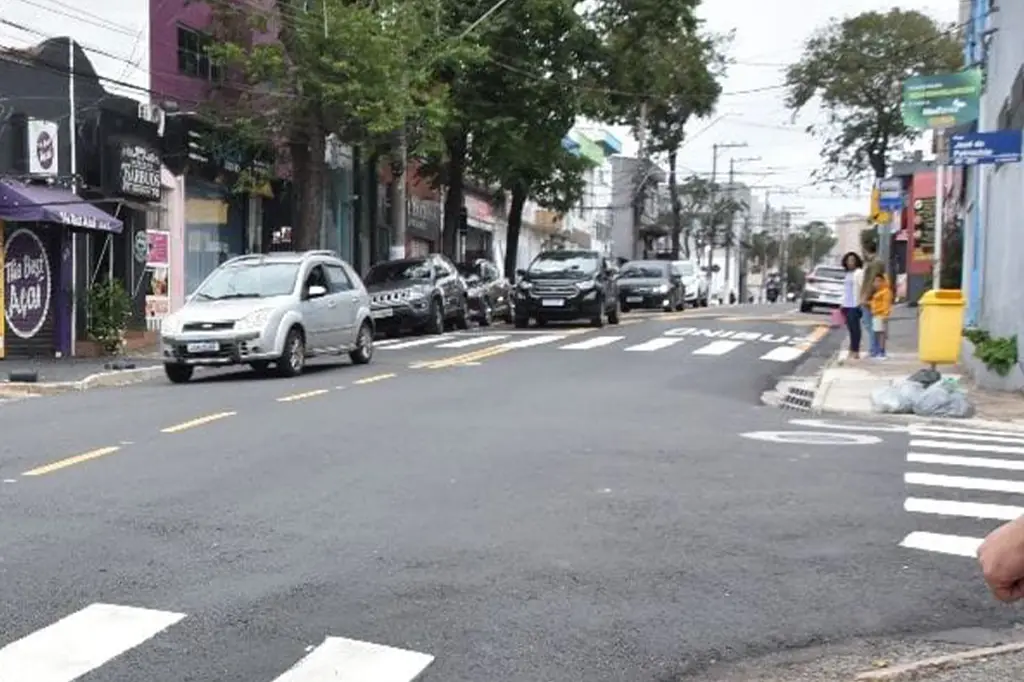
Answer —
302 396
71 461
373 379
191 424
814 337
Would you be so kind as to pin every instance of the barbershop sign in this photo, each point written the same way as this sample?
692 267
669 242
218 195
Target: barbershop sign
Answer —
139 172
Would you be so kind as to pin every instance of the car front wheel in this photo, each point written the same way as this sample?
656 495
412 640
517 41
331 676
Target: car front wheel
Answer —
178 374
363 352
293 359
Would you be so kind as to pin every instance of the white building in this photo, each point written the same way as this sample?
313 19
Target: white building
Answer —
589 224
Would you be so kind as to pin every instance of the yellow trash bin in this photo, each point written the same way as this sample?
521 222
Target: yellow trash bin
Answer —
940 326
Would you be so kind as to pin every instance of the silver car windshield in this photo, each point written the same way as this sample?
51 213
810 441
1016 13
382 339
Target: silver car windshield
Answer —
250 280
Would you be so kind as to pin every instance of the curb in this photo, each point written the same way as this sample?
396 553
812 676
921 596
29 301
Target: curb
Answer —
124 377
916 669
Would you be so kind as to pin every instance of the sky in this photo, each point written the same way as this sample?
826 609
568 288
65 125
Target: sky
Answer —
768 37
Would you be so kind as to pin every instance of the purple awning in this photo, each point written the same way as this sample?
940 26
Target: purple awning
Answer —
23 203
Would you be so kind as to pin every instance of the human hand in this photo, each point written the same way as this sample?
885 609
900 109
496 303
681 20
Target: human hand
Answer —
1001 556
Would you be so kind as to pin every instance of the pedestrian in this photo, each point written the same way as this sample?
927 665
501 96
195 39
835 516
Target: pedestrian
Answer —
881 309
1001 556
853 285
872 269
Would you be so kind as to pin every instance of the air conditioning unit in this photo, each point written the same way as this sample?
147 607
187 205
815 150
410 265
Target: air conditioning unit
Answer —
153 114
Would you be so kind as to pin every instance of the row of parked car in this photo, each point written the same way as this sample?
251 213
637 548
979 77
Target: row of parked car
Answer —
274 311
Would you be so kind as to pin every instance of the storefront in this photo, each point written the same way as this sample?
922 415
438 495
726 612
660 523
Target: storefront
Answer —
39 224
480 228
423 235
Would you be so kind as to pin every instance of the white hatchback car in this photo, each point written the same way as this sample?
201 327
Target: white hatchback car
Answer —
276 308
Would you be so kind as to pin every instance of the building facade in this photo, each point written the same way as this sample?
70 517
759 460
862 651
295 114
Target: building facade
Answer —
589 223
993 202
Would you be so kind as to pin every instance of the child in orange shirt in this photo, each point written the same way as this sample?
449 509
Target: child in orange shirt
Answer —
881 309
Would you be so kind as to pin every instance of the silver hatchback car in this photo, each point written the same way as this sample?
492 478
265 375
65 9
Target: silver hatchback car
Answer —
277 308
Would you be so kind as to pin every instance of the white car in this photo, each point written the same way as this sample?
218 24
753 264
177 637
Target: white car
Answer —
694 280
277 308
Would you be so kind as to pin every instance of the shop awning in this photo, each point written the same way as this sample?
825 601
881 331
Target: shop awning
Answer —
27 203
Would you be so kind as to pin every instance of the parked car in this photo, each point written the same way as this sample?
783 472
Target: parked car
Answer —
651 284
417 294
278 308
567 285
490 294
822 288
695 282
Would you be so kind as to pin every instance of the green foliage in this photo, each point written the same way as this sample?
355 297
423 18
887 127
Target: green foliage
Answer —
855 68
809 245
763 249
869 240
109 309
998 354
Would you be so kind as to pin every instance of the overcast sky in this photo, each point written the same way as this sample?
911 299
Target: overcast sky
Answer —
770 35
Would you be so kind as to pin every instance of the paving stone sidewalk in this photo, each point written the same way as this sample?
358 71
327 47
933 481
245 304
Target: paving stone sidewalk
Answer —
846 385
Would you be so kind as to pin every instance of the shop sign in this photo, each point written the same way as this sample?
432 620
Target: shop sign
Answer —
424 215
28 283
139 172
42 147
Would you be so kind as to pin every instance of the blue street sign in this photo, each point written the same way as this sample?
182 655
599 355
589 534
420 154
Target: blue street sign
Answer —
999 146
890 194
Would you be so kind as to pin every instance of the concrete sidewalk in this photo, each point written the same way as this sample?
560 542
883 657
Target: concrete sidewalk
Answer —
845 386
61 375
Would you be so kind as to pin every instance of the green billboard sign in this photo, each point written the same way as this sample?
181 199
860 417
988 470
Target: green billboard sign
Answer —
942 100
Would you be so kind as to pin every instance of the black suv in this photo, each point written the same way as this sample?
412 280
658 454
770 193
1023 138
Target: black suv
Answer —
420 294
567 285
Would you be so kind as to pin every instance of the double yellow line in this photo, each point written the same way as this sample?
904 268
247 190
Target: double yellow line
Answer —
464 359
814 337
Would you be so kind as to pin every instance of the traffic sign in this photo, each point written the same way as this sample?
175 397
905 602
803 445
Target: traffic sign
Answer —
890 194
941 100
999 146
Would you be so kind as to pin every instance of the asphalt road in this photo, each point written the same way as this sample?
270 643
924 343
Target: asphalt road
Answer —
565 509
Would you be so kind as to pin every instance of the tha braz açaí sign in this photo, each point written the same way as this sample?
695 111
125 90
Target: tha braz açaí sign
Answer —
29 283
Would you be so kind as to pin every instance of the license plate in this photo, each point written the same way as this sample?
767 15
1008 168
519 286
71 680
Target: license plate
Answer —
553 302
384 312
634 299
203 347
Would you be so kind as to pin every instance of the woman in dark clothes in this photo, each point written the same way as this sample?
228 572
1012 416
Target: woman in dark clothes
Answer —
852 284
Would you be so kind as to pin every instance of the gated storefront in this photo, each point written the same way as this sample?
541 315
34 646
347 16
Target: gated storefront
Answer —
30 276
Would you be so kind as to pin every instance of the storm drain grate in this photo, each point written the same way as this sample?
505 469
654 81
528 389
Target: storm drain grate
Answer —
798 399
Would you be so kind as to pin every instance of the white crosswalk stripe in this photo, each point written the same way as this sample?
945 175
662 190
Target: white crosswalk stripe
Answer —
718 348
474 341
779 349
85 641
655 344
947 497
595 342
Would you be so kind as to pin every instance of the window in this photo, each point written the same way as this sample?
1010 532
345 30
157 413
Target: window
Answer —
316 278
339 279
193 59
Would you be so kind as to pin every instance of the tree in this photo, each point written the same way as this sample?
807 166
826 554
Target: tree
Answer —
809 245
704 208
359 70
517 137
856 68
688 87
764 251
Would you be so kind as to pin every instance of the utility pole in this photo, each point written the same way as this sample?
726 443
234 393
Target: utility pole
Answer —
787 223
713 203
731 227
639 189
399 201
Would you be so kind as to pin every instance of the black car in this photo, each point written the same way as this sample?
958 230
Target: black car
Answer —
651 284
490 294
417 294
567 285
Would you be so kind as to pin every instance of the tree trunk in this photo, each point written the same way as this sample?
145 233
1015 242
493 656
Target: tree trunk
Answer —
308 168
673 190
515 226
455 147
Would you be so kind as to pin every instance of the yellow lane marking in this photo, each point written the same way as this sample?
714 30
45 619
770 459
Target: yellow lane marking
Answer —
814 337
370 380
300 396
191 424
472 356
71 461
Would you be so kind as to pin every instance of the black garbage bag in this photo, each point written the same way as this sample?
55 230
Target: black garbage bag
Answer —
926 377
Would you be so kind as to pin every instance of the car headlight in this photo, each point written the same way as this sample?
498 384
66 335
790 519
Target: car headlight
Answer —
663 289
416 295
525 284
254 320
170 325
585 286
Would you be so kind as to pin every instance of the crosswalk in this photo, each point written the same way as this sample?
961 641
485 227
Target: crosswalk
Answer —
776 349
83 642
962 483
